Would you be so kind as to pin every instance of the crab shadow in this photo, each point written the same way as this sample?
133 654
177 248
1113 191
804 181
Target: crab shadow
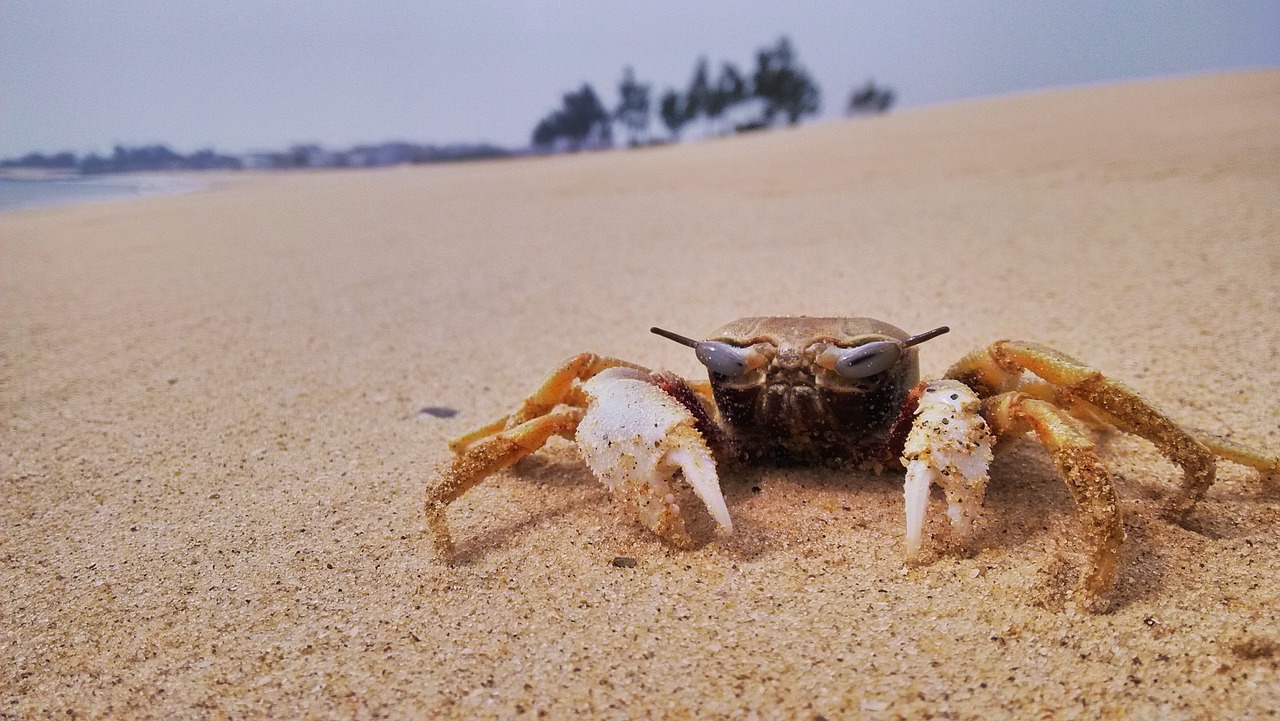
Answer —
773 507
1029 504
1248 489
540 485
1143 568
776 506
1025 499
769 503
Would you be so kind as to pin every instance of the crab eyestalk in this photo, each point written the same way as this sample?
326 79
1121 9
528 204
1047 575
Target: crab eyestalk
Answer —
927 335
718 357
868 359
674 336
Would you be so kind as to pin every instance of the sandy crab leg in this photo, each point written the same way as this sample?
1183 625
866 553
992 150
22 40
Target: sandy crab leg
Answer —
1064 391
556 389
999 367
635 437
1239 453
1076 457
485 458
501 442
949 445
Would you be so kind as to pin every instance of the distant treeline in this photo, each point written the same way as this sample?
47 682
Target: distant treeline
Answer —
159 157
778 89
150 157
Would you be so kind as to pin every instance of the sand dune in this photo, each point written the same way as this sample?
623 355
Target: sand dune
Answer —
213 454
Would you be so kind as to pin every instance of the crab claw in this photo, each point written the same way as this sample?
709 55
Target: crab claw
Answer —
635 438
950 445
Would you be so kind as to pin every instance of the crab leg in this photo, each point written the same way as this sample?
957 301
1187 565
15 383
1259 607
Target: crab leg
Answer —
1239 453
558 388
1071 383
486 458
1131 414
1071 449
500 443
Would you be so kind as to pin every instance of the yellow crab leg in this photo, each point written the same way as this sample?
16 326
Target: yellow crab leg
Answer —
503 441
1071 449
1238 452
483 460
998 368
558 388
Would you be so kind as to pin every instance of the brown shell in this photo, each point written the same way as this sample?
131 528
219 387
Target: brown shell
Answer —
792 409
801 330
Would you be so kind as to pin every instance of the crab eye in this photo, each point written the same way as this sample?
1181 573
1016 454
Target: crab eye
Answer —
865 360
722 358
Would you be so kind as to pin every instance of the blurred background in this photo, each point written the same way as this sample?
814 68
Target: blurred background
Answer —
149 84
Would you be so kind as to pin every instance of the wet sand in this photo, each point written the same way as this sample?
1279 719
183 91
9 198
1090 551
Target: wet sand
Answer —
214 444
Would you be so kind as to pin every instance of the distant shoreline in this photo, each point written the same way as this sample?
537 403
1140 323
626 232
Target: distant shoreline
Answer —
33 189
38 174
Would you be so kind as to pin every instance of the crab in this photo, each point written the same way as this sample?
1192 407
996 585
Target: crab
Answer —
806 389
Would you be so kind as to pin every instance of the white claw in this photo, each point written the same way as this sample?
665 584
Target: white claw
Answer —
916 489
700 471
949 445
635 437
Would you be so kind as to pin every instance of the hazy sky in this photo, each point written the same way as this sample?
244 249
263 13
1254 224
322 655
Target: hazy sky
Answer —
259 74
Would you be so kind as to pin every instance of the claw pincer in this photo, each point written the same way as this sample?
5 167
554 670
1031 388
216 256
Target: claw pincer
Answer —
949 445
635 438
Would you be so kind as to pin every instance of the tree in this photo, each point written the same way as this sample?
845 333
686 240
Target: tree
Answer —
698 98
730 90
674 113
870 99
588 122
633 107
580 122
785 87
547 131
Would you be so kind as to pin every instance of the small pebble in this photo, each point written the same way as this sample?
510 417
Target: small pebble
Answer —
624 561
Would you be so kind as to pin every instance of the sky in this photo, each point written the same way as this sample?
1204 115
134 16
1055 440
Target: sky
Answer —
245 75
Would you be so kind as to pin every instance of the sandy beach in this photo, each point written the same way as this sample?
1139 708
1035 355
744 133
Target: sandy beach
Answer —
215 435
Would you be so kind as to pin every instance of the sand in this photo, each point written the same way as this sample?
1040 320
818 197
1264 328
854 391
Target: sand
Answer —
213 453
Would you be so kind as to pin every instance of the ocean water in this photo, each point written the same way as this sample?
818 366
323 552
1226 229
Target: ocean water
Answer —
24 194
